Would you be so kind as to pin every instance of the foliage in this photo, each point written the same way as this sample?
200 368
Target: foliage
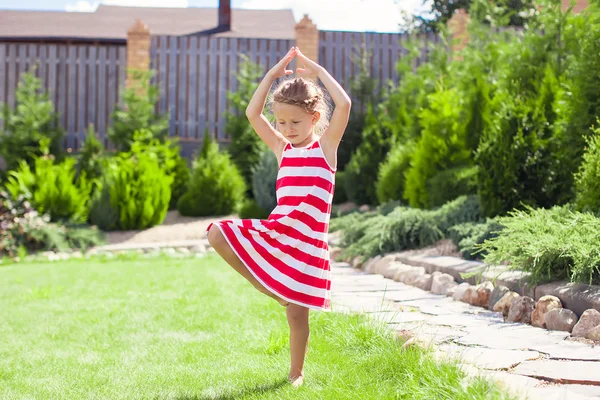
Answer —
403 228
364 164
22 228
250 209
587 180
553 244
391 177
246 146
452 183
32 120
91 159
216 186
363 90
138 113
469 235
339 194
136 188
441 146
515 11
264 181
52 188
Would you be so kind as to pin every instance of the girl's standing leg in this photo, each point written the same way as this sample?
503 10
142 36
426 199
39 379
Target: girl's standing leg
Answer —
297 317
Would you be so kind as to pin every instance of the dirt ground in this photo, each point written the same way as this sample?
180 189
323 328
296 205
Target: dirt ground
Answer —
174 228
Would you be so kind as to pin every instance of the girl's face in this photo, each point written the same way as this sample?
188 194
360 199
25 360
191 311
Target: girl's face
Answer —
294 123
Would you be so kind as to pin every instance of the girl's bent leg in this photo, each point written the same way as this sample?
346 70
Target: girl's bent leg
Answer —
297 317
221 246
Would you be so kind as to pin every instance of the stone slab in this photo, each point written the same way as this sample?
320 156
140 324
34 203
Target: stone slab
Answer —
579 372
464 320
399 317
494 359
577 297
430 333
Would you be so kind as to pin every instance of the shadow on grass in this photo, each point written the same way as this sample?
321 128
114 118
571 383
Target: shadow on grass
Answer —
260 389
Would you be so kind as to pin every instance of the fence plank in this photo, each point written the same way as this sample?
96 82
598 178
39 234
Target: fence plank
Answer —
102 115
13 78
3 75
193 89
222 89
92 95
81 96
203 84
212 88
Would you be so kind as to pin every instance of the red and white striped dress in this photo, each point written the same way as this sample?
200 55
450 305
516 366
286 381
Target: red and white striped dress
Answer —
288 253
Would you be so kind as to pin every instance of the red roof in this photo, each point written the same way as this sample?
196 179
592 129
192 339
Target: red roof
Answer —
112 23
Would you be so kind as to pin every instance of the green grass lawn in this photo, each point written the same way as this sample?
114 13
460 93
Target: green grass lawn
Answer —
164 328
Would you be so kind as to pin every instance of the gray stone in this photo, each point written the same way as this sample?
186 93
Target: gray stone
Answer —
358 262
431 333
460 290
451 290
368 267
497 294
494 359
578 372
398 317
392 269
521 309
399 270
410 276
335 252
589 319
543 305
380 267
560 319
481 294
423 282
503 305
441 283
468 294
594 333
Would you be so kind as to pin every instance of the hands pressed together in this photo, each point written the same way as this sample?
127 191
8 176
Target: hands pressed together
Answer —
309 67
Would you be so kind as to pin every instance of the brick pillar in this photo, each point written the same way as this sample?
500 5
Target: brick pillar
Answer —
579 6
138 51
458 29
307 38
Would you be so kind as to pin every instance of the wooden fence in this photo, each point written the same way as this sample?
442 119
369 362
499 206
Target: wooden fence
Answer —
84 81
194 75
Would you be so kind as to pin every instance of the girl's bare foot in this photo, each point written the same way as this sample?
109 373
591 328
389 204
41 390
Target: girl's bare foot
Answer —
296 381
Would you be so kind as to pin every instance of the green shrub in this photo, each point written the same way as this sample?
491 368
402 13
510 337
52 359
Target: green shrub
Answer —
32 119
442 146
134 193
587 180
391 178
251 210
469 235
22 227
90 159
339 194
216 186
52 188
181 179
361 171
550 244
403 228
246 146
137 112
264 181
452 183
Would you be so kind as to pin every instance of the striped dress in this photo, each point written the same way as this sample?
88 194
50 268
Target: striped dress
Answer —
288 253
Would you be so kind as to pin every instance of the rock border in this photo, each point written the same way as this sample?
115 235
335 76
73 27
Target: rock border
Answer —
572 308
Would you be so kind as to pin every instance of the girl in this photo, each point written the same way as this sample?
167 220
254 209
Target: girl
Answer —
286 257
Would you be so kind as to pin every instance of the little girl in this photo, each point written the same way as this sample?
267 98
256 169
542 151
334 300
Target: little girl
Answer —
286 256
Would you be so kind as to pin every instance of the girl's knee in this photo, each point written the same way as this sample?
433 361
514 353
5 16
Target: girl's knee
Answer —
297 315
215 237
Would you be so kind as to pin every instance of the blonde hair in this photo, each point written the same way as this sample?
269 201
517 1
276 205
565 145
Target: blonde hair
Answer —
306 94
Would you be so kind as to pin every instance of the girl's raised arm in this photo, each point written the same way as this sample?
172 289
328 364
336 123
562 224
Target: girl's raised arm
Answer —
254 111
339 119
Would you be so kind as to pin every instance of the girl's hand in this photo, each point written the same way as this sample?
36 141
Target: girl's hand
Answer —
280 69
309 67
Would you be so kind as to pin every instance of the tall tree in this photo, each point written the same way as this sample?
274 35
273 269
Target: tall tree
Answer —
441 11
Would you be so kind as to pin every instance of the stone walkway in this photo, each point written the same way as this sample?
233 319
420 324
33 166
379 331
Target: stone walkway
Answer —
531 362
